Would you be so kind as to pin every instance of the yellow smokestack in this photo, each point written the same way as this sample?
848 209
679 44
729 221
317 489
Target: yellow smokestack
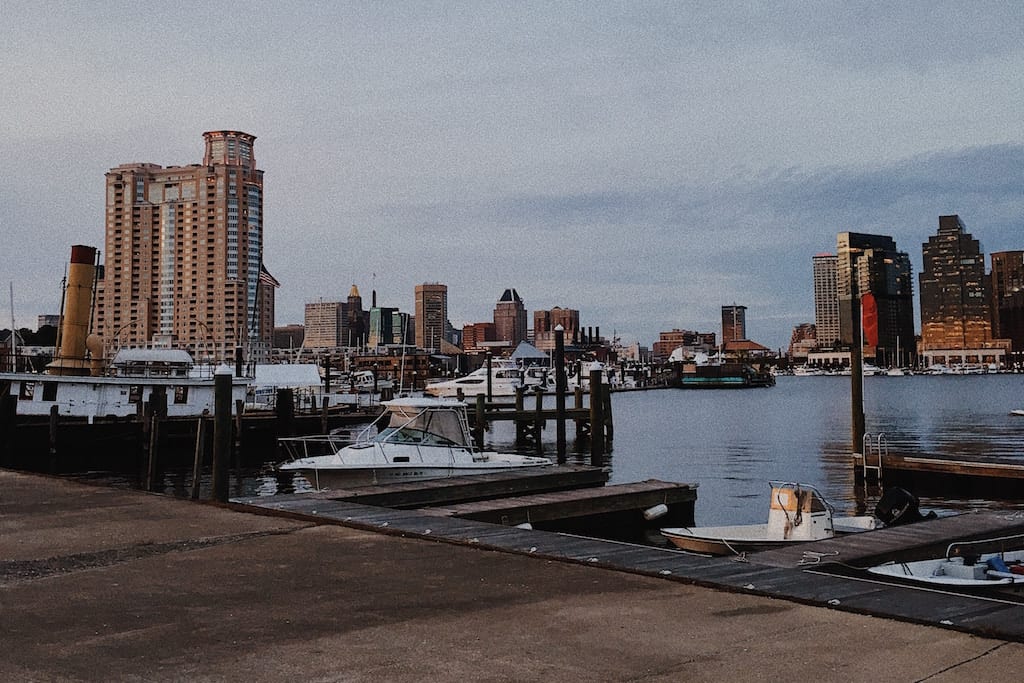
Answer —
74 328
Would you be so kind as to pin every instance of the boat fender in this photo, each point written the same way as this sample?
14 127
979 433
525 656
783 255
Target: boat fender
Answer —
655 511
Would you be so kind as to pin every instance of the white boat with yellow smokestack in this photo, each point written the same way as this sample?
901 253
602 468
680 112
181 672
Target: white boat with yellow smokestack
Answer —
82 385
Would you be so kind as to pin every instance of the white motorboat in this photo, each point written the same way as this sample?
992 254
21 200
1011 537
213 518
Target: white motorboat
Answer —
1017 411
960 568
506 377
426 438
797 513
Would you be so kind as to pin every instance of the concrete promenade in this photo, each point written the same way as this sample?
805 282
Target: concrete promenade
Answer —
98 584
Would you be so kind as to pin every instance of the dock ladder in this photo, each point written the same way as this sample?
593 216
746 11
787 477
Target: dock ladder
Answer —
876 448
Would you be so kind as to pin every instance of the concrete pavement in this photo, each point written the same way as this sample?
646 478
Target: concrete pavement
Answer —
104 584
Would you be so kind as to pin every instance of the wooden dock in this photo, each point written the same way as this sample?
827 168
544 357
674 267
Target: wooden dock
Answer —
567 498
990 475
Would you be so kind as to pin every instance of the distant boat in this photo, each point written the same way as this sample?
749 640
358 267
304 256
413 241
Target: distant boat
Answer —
1017 411
506 377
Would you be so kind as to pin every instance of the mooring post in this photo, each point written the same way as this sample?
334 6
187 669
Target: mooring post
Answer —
490 395
856 375
8 417
478 426
197 460
157 410
324 424
596 419
520 422
609 426
577 403
54 419
221 432
560 392
284 409
538 421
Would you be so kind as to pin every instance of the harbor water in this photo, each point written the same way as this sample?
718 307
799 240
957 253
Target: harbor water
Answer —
733 442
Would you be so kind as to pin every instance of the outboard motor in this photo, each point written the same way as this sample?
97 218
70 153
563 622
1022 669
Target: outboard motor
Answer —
898 506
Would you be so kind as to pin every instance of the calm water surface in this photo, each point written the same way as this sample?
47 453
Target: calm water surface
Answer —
732 442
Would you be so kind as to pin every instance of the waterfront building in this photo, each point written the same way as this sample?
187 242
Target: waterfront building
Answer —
826 300
956 326
734 323
885 272
265 301
690 341
510 318
545 322
476 335
48 320
289 336
431 315
803 340
184 252
356 320
1007 297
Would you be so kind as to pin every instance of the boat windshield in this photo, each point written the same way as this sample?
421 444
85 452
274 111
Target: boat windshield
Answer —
430 427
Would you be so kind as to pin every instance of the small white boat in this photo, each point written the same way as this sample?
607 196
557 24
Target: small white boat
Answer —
797 513
1017 411
959 568
425 438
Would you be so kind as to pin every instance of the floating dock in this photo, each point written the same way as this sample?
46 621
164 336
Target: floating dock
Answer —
989 475
567 498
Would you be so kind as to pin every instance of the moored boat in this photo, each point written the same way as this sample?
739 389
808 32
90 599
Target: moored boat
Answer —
797 513
960 568
425 438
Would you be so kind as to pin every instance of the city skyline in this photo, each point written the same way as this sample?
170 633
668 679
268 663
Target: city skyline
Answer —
644 164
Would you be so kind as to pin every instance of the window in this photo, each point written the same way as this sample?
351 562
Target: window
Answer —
49 391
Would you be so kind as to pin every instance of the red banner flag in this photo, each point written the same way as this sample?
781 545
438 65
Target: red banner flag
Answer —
869 318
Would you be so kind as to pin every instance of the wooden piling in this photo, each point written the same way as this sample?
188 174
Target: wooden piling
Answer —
8 421
560 393
284 411
538 422
606 398
577 404
857 423
324 412
200 451
54 421
490 394
478 422
596 420
520 423
157 412
221 433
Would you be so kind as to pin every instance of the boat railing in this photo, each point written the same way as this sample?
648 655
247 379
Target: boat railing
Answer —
955 549
311 446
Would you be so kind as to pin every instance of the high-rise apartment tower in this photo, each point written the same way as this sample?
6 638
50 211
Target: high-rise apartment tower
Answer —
826 300
184 252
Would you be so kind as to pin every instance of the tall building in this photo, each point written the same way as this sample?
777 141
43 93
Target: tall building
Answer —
885 272
956 325
356 320
734 323
184 252
1007 297
324 325
826 300
510 318
431 315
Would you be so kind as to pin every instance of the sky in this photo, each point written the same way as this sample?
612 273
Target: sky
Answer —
643 162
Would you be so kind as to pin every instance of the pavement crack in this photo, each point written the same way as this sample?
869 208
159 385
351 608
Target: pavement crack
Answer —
953 667
17 571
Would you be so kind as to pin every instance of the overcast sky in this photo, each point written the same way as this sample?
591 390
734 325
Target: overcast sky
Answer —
642 162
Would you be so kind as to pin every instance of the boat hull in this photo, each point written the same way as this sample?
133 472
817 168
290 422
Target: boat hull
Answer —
341 478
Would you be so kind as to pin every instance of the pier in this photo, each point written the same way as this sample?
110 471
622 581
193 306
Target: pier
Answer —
101 583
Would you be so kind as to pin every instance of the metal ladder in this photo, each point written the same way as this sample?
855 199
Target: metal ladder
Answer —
877 447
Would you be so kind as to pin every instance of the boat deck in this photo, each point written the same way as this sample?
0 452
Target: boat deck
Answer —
824 573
